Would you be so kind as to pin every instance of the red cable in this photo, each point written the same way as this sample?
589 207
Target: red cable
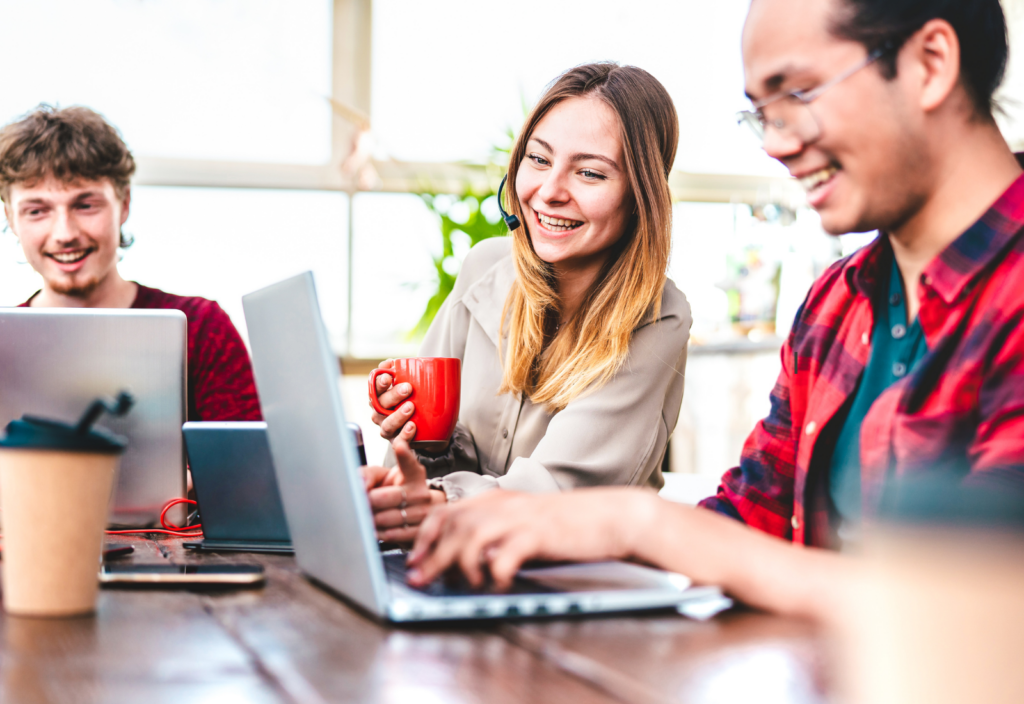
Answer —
171 504
147 531
193 531
169 528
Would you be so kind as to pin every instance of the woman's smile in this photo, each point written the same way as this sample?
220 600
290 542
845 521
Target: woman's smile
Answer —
558 224
556 227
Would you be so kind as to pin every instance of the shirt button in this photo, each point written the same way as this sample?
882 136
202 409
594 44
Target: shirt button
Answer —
898 331
810 428
795 522
504 433
899 369
864 339
894 299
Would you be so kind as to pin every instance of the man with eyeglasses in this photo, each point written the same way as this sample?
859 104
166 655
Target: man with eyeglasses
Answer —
906 358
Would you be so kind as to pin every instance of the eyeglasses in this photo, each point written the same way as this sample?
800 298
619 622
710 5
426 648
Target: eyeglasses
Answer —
790 114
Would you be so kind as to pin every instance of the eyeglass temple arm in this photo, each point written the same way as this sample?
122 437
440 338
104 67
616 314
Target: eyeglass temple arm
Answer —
811 95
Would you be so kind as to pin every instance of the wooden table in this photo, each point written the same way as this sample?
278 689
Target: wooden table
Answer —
293 642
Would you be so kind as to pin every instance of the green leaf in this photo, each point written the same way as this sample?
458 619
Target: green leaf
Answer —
477 227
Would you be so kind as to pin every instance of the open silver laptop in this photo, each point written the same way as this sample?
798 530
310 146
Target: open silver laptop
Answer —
55 361
328 511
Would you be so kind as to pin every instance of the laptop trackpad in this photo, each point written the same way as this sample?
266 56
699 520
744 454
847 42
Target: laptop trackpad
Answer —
602 577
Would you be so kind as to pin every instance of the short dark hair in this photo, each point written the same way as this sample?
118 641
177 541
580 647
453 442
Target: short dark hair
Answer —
70 144
980 26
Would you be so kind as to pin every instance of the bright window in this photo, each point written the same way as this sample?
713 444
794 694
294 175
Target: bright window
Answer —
243 80
396 238
450 76
221 244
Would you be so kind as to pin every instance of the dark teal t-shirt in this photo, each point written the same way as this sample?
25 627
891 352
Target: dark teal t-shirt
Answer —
896 349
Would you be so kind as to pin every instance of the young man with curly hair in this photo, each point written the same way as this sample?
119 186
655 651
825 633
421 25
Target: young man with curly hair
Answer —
65 181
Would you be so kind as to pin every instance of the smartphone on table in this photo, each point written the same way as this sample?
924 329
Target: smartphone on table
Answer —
183 575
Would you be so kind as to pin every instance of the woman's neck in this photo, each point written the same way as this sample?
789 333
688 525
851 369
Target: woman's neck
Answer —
573 282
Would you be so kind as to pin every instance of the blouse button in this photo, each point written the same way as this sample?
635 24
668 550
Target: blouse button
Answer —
899 331
504 432
810 428
795 522
899 369
864 339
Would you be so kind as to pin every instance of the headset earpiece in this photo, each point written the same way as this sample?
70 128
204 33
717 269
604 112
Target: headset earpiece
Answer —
511 220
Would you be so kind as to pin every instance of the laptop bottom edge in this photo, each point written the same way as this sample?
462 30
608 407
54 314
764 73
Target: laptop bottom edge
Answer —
208 545
414 608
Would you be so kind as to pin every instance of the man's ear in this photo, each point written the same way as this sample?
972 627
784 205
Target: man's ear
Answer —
126 203
935 49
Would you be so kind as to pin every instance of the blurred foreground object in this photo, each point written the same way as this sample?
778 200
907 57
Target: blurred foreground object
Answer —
939 613
57 481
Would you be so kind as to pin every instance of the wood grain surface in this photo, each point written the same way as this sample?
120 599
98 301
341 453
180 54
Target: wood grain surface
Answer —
291 641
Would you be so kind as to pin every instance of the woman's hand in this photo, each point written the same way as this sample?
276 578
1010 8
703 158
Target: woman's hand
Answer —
392 425
399 496
502 530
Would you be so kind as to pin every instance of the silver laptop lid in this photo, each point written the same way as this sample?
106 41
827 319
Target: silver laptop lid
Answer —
54 361
298 380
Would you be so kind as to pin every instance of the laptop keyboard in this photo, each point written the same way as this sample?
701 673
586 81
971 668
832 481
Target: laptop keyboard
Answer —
394 567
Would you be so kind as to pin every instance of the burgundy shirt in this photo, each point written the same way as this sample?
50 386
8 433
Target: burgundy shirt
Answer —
220 382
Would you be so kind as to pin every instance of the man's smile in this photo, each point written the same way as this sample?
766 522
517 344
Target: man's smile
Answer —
819 177
72 256
817 182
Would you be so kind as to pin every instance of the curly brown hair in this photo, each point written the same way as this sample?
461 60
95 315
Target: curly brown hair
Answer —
70 144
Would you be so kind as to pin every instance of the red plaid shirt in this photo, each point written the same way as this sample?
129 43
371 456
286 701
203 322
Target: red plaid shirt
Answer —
961 410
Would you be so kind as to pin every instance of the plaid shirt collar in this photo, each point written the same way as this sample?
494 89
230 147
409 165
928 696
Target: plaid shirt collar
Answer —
957 265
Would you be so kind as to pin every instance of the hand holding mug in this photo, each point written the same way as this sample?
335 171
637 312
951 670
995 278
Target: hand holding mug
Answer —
391 396
419 396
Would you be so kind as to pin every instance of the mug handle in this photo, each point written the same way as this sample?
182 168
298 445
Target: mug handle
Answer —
374 400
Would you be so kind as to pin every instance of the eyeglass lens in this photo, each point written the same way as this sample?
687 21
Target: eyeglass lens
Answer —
789 117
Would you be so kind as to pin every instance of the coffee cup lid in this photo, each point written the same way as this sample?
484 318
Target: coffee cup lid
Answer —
33 433
41 434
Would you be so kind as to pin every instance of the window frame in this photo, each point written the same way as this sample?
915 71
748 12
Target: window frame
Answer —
350 99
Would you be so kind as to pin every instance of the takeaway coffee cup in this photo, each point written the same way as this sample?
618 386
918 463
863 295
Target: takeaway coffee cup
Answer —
55 487
436 390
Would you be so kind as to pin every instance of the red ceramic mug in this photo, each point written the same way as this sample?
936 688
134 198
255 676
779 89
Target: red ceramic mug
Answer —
436 390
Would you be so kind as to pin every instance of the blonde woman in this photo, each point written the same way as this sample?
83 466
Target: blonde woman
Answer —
572 338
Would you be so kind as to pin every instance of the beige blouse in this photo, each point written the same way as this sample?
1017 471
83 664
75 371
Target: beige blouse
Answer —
615 435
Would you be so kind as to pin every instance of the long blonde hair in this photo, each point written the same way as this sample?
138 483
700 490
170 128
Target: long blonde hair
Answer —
591 347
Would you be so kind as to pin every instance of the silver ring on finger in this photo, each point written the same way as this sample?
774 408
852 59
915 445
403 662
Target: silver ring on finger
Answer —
405 499
405 518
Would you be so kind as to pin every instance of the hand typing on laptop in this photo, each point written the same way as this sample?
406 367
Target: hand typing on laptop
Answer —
399 496
497 532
